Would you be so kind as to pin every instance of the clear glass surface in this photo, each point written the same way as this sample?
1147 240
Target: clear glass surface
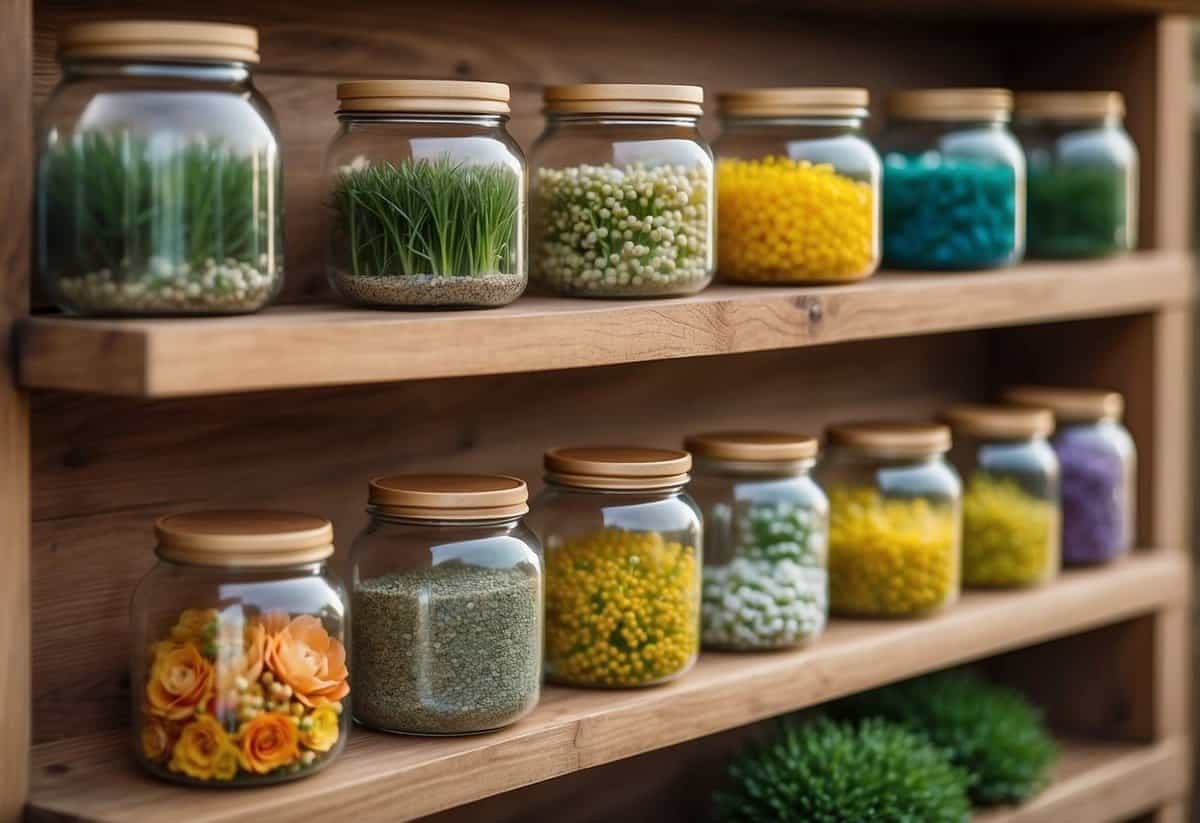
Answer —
447 624
159 190
239 676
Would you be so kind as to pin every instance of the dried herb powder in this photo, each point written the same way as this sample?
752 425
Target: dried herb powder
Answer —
451 649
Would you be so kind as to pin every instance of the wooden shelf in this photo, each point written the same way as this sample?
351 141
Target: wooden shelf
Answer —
309 346
92 778
1104 783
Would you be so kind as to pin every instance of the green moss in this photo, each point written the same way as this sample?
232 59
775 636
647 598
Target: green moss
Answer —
990 731
827 772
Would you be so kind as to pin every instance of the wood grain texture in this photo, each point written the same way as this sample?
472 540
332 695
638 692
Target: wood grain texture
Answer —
16 149
311 346
384 777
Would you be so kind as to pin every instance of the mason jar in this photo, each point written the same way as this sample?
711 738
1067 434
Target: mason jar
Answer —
1011 514
239 658
159 179
953 181
447 596
623 556
1083 174
766 530
428 195
1098 461
894 519
623 192
798 187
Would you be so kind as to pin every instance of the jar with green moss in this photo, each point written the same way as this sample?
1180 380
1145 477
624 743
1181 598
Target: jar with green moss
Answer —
894 519
622 542
1011 509
766 528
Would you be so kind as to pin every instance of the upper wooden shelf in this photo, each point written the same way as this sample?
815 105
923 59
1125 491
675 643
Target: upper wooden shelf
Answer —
395 778
308 346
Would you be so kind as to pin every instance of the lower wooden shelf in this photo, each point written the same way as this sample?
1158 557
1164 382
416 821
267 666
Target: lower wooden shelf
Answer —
384 777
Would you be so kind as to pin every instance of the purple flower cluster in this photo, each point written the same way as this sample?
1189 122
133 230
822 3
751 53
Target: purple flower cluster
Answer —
1094 504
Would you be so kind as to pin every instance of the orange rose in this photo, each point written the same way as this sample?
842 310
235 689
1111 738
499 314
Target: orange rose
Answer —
305 657
180 681
274 621
158 737
267 742
193 624
256 649
204 751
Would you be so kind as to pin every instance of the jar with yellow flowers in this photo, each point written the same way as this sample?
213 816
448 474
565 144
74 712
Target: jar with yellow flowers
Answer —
239 663
622 542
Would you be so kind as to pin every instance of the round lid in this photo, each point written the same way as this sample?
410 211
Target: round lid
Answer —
624 98
243 538
162 39
891 438
1003 422
597 467
816 100
1070 105
423 96
1070 403
951 104
450 496
753 446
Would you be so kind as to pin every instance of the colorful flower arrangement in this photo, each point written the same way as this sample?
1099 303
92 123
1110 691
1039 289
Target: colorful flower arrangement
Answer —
229 697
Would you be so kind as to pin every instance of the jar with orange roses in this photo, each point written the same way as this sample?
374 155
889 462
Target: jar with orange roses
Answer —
239 670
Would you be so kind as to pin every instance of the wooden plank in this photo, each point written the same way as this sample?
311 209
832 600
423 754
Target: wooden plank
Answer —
16 184
382 777
319 346
1173 146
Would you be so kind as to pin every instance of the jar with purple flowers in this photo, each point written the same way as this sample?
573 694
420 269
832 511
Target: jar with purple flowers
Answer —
1097 458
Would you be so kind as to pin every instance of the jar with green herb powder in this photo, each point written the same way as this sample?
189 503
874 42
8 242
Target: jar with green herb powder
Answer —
446 599
428 195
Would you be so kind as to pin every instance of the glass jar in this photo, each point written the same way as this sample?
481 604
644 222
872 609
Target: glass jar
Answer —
798 187
953 181
623 554
623 192
159 180
894 519
447 598
1011 520
1098 461
239 657
1083 174
766 530
428 195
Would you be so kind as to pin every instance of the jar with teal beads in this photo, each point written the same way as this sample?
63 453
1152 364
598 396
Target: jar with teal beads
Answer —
953 181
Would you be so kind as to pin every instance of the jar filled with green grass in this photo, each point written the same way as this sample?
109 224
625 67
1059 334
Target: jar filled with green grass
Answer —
428 195
159 179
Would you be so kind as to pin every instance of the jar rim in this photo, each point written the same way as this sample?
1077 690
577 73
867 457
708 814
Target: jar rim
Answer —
249 538
161 39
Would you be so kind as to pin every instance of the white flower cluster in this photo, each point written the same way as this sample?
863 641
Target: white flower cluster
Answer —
173 288
774 593
624 231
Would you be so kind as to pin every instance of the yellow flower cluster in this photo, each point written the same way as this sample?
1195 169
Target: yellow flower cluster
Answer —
622 609
224 695
1010 537
890 557
790 221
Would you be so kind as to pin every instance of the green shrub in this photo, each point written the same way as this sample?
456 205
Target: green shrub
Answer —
827 772
990 731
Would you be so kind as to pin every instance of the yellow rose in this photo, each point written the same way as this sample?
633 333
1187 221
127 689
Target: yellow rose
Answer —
322 731
180 681
268 742
203 750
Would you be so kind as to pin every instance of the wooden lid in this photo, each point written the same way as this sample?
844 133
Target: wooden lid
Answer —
753 446
161 39
1070 403
423 96
1070 105
1001 422
450 496
597 467
243 538
828 101
891 438
625 98
951 104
